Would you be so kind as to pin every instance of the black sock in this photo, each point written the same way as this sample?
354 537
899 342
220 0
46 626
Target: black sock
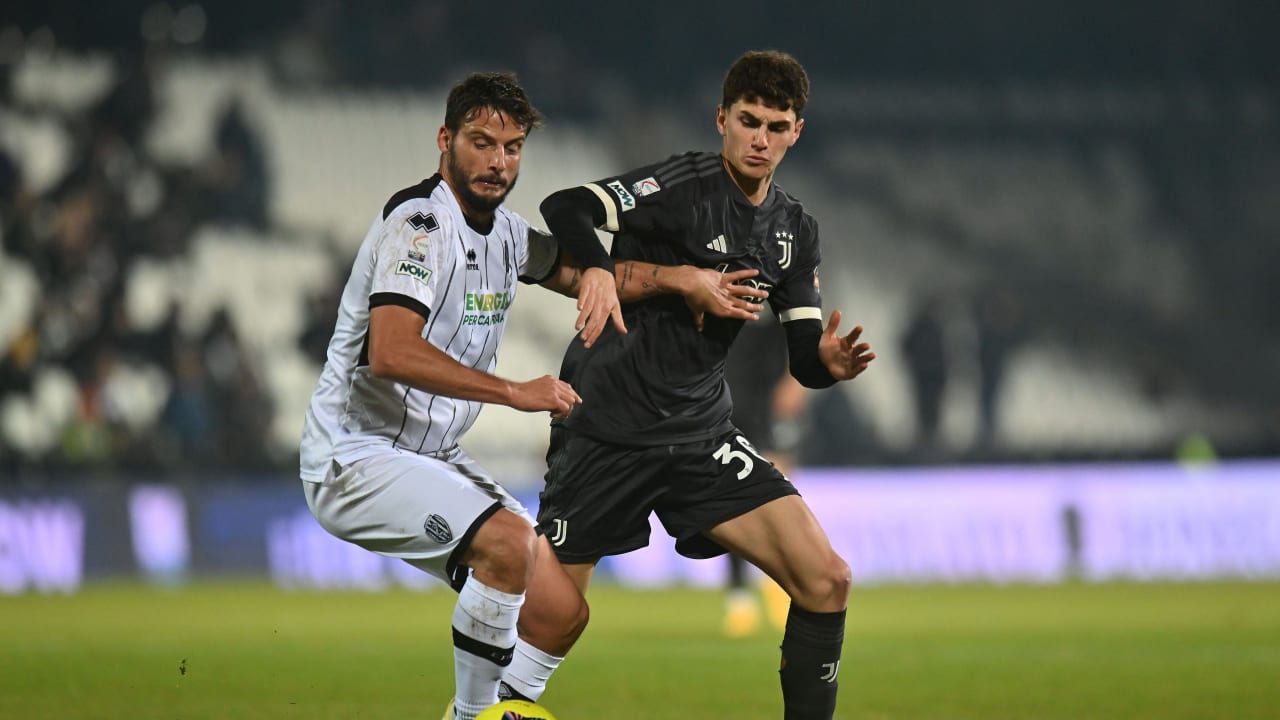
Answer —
810 660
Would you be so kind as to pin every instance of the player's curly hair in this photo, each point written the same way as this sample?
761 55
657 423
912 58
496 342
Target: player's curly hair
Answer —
495 90
771 77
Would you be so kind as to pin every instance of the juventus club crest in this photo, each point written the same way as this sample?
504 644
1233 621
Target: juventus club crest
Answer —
784 239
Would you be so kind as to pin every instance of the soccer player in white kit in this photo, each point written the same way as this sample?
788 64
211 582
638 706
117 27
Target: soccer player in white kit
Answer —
411 363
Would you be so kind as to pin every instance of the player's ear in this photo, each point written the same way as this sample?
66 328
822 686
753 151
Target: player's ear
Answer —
442 139
721 116
796 134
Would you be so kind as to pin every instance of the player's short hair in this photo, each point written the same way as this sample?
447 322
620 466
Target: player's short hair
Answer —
493 90
771 77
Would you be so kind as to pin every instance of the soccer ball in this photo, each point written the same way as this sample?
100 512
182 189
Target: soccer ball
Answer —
515 710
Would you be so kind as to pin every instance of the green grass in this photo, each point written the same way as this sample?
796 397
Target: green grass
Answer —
1127 652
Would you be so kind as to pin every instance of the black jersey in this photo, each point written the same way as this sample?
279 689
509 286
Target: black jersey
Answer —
663 382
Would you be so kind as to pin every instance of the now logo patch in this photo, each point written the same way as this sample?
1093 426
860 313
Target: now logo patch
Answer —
414 270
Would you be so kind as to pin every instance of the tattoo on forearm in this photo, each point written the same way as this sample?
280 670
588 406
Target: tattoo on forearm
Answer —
628 270
573 280
651 285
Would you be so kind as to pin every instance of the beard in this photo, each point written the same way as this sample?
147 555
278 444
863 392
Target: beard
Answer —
462 186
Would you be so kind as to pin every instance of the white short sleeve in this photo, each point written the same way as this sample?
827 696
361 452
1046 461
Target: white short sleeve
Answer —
413 255
539 258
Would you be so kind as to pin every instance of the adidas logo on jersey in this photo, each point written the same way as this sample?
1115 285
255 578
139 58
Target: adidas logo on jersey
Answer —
719 244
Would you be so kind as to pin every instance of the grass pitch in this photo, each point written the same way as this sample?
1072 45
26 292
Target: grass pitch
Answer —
247 651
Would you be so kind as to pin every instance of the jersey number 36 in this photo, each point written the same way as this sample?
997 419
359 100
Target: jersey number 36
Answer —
727 455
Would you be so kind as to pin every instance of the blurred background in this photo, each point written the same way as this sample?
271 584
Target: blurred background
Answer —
1059 224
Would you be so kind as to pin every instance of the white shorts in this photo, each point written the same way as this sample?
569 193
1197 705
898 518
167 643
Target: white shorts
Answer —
423 510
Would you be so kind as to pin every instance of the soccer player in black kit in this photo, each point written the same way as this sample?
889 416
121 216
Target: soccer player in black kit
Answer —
654 433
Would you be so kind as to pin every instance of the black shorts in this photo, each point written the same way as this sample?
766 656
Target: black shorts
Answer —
599 495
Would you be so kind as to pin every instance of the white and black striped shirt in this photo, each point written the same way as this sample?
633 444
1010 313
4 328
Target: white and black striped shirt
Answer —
422 254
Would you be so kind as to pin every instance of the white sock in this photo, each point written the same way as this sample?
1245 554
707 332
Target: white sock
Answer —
484 635
530 669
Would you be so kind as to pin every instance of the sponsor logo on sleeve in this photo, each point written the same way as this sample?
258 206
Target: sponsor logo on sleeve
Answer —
425 225
647 186
625 199
419 272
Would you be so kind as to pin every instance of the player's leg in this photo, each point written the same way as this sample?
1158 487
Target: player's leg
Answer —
786 435
554 615
581 574
501 558
726 496
784 539
449 519
596 502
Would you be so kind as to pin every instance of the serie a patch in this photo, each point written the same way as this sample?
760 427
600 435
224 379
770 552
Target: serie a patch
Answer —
647 186
419 272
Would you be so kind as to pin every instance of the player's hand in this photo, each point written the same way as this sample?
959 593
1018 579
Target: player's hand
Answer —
597 303
720 294
546 393
844 357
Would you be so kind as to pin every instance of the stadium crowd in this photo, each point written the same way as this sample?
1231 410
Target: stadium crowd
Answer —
82 389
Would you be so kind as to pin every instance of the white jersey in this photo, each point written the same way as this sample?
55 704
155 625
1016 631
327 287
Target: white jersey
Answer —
420 254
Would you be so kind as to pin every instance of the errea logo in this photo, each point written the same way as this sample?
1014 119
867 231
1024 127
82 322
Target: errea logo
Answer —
414 270
626 199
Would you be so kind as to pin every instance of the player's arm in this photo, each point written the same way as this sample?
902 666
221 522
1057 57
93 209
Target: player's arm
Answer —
398 352
703 289
572 215
819 357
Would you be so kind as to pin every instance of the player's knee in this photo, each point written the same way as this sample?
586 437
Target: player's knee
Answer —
571 619
827 590
576 621
513 553
554 622
841 582
566 625
502 553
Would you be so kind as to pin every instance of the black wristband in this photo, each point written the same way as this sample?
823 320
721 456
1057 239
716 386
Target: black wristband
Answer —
802 352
